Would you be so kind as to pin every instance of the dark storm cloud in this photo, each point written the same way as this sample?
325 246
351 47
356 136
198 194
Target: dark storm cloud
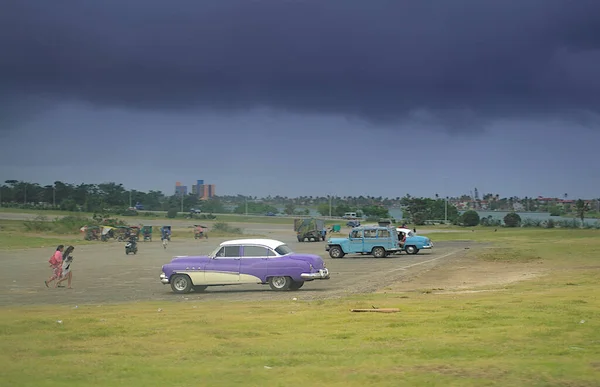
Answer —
465 60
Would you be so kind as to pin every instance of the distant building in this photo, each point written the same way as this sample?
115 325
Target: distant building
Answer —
203 191
180 189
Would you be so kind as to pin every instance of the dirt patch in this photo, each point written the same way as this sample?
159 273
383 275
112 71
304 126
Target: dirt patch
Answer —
468 274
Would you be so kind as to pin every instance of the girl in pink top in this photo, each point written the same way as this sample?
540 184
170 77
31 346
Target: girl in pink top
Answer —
56 265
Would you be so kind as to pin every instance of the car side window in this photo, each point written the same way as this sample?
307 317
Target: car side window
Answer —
356 234
370 233
228 252
255 251
383 234
271 253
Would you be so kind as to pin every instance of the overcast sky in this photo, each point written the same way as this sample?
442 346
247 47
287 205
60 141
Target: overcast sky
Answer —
292 98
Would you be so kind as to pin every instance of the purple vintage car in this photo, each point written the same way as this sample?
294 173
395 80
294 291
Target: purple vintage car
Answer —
244 261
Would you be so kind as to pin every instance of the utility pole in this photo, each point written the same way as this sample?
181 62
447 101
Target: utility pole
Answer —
446 211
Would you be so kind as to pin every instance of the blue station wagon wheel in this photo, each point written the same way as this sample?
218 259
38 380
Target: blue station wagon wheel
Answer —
336 252
379 252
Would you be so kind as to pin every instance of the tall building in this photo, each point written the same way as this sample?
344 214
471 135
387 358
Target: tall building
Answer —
197 188
180 189
203 191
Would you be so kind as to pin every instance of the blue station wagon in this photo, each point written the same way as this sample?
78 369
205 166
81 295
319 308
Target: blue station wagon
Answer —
377 241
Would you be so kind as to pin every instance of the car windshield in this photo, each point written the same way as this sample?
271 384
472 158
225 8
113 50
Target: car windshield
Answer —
283 250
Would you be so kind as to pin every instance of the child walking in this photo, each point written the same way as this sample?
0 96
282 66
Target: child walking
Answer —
56 264
67 274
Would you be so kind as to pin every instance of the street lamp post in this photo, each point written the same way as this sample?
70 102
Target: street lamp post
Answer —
446 211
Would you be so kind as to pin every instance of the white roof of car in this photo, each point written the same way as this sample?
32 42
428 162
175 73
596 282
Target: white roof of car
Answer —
404 230
271 243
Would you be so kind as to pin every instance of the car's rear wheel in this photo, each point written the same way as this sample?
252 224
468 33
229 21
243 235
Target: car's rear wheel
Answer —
280 283
295 285
379 252
181 283
336 252
411 249
199 288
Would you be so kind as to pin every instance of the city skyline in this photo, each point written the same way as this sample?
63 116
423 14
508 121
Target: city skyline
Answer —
475 194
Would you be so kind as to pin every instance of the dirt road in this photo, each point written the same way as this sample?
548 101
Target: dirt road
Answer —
104 274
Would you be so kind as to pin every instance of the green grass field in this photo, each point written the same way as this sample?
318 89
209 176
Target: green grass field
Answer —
541 332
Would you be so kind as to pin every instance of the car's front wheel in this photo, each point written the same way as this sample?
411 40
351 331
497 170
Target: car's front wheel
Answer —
280 283
379 252
296 285
181 283
336 252
411 249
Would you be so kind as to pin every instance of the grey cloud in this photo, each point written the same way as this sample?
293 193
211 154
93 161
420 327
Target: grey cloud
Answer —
460 61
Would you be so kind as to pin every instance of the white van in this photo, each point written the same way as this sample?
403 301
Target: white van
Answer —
350 215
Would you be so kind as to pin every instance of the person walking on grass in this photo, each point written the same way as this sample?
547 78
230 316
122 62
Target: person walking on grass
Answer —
56 264
67 274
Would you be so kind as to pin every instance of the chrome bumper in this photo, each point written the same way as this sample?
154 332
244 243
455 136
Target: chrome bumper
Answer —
429 246
164 279
321 274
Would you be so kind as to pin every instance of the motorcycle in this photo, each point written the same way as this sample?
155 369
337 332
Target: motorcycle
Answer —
131 246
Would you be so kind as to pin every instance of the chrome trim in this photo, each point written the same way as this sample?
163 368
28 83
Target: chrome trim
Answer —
321 274
163 278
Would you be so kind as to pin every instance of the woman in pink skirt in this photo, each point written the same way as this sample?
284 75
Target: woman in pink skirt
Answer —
56 265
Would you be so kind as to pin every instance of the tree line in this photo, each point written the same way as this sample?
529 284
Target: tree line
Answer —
114 197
